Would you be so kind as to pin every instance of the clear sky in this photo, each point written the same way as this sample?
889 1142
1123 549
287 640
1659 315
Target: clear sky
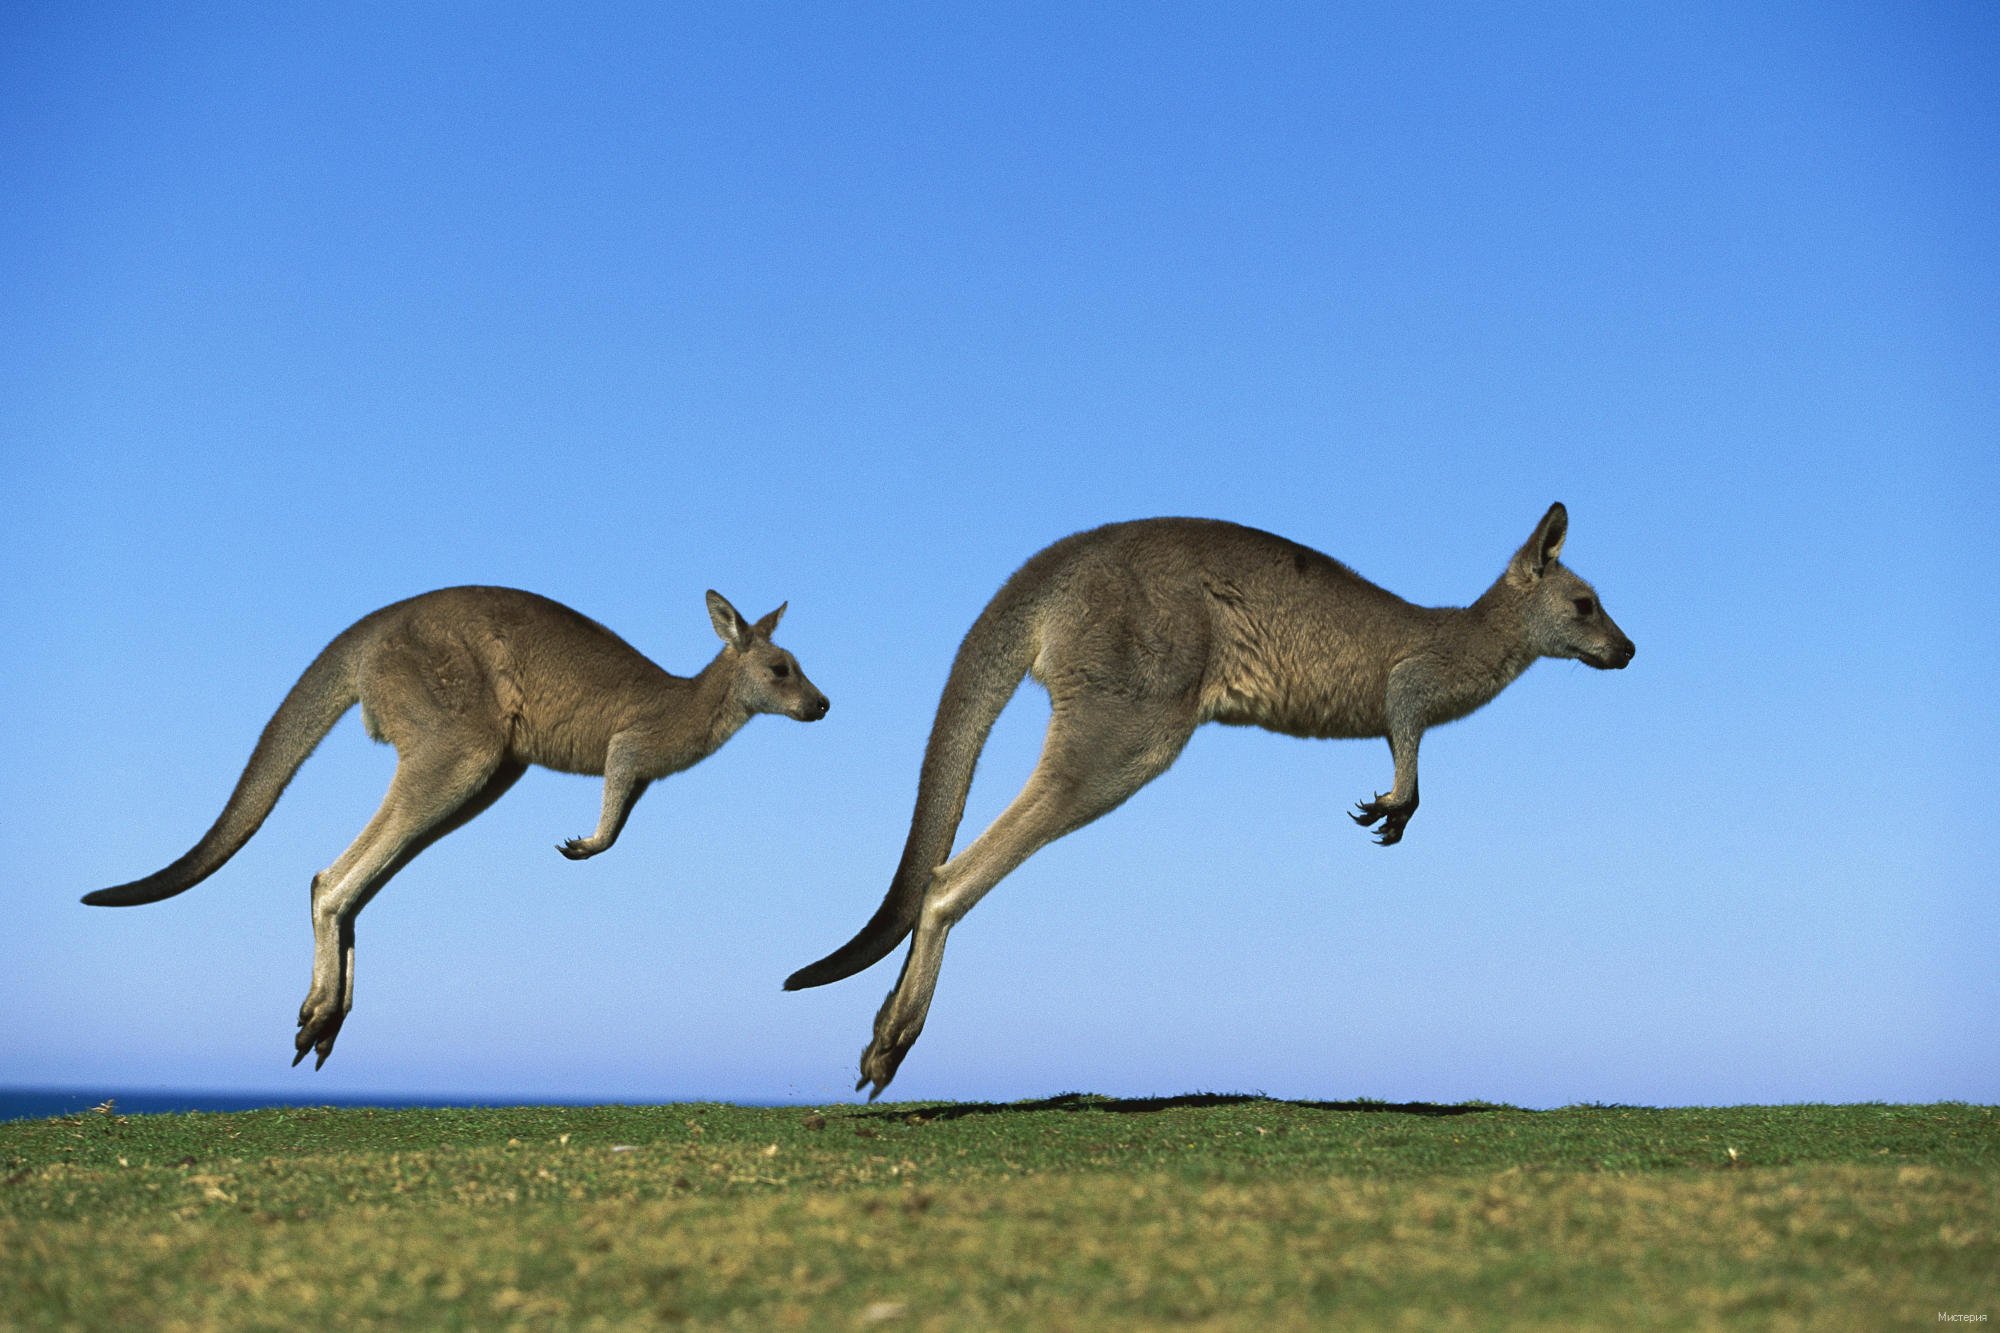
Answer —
307 309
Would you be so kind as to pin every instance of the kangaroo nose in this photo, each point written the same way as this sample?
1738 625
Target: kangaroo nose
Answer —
819 709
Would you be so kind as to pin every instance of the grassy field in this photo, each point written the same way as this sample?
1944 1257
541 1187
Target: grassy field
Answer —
1074 1212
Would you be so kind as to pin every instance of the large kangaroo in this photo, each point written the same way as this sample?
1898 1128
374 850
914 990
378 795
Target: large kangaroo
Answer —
472 685
1142 632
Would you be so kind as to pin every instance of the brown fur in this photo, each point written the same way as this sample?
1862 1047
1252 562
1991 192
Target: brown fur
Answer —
1142 632
472 685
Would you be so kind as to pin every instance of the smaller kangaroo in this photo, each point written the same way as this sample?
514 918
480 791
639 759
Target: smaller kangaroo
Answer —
472 685
1143 631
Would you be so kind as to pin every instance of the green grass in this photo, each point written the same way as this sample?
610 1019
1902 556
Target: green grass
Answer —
1075 1212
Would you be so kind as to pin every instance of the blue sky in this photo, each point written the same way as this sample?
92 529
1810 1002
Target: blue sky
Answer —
310 310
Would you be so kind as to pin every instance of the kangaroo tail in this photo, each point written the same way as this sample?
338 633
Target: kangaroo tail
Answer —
988 669
325 692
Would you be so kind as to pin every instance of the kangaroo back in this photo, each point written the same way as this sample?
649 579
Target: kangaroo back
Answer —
317 701
991 661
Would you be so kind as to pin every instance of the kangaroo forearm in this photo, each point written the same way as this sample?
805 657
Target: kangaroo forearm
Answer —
621 792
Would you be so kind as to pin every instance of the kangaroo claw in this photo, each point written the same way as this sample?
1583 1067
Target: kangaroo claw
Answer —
884 1054
1392 817
318 1026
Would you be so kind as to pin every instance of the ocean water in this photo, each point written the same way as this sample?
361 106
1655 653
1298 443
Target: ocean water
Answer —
38 1103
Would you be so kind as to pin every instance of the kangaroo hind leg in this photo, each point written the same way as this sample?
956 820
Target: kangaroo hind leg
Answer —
1097 753
436 788
503 778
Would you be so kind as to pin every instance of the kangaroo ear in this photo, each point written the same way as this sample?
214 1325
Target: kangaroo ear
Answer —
1533 560
770 622
730 626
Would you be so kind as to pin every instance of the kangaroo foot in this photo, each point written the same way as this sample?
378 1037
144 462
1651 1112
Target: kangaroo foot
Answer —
319 1024
884 1054
579 849
1393 818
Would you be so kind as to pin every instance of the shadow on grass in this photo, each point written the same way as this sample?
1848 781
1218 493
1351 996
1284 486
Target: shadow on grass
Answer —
1082 1101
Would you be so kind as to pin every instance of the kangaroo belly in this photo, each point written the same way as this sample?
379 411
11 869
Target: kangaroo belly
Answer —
1316 717
572 744
1321 699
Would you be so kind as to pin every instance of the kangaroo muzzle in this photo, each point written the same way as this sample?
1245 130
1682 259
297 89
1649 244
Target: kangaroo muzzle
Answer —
1615 658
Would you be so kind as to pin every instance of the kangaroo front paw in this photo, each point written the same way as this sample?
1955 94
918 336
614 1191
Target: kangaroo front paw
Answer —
1393 818
578 849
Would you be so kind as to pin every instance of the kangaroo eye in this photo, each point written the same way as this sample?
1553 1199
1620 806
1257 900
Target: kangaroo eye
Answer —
780 670
1585 606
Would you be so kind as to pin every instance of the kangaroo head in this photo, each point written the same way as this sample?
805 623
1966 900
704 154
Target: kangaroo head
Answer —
1559 612
764 678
